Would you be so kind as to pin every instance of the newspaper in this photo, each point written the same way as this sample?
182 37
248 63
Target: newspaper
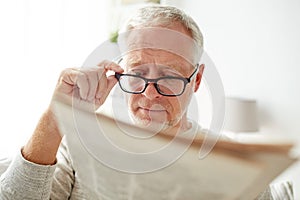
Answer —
233 170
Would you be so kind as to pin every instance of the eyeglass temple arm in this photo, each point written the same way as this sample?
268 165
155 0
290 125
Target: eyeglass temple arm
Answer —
191 76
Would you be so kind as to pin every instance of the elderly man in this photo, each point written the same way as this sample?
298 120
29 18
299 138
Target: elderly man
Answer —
159 83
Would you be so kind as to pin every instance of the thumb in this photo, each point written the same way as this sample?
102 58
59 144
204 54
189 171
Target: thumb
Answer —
111 81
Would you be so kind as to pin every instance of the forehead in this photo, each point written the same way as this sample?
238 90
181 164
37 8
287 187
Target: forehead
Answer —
157 57
164 44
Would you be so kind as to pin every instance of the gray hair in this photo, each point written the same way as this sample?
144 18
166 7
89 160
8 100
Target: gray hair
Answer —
159 15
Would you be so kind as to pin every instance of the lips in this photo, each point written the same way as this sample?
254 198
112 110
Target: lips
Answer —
151 109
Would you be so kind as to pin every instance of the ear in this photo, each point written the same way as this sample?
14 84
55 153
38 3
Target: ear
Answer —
199 77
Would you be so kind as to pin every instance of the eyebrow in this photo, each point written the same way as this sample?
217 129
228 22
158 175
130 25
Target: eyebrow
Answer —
132 61
136 62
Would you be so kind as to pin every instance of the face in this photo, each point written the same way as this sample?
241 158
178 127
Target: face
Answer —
151 108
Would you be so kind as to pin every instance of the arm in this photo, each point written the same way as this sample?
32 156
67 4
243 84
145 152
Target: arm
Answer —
26 180
43 145
30 174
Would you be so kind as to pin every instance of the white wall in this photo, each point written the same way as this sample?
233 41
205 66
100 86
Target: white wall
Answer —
256 48
37 40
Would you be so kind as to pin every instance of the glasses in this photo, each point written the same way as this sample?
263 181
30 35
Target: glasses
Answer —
166 85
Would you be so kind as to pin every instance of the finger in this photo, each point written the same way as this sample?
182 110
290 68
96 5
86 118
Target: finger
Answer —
73 82
103 90
83 85
109 65
67 80
102 85
68 76
92 77
111 82
101 96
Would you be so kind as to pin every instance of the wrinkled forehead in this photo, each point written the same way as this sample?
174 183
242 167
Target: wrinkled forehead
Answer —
155 59
160 40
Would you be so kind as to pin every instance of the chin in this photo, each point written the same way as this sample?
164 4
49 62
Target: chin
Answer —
148 123
154 126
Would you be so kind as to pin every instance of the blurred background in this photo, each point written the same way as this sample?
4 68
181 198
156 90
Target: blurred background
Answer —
254 44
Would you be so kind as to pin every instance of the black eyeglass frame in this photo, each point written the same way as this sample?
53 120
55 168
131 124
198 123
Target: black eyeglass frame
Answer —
155 80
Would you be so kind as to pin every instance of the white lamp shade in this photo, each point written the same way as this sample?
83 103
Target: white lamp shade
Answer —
240 115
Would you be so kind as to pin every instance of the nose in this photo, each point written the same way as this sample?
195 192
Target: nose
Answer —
151 92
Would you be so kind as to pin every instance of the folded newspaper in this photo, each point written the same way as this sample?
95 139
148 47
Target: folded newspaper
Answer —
113 164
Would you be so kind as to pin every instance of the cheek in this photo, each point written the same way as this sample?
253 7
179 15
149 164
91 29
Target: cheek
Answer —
177 105
132 99
183 101
132 108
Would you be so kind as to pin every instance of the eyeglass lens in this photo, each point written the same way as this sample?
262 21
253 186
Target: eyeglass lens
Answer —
167 86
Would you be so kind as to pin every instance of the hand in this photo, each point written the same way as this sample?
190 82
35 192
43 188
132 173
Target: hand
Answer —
87 84
84 85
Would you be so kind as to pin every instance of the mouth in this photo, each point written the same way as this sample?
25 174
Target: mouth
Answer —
151 110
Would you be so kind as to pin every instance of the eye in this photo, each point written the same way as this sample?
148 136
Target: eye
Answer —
138 73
